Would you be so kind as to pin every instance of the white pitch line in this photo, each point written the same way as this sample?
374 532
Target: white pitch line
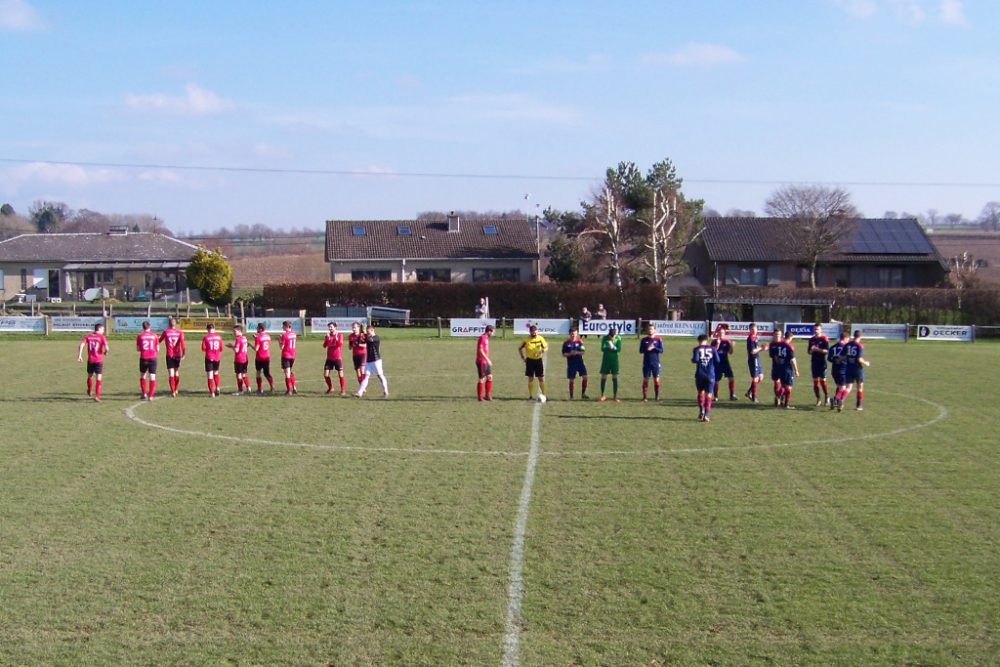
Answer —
515 591
130 413
942 414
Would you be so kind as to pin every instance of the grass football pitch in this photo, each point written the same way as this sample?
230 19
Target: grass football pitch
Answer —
319 530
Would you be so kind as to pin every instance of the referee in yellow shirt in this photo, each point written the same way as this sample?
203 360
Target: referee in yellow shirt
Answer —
532 351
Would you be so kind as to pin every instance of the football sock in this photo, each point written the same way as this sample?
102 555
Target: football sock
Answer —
825 387
142 385
604 383
732 386
788 394
329 383
260 384
489 389
656 387
701 401
384 381
342 386
816 388
777 388
270 382
294 387
90 385
715 389
614 386
571 388
479 390
531 388
708 404
645 388
861 395
152 388
218 383
97 388
583 386
288 383
211 386
753 389
541 385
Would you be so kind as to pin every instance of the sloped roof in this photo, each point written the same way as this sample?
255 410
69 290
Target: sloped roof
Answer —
95 247
514 239
880 240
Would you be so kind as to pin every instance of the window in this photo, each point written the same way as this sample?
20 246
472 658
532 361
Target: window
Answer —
840 276
382 276
745 276
404 230
358 230
434 275
802 276
496 275
873 276
24 279
490 230
980 264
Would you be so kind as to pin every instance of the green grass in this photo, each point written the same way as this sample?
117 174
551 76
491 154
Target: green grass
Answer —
125 544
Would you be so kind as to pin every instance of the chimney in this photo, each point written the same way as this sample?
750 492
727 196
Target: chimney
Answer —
453 222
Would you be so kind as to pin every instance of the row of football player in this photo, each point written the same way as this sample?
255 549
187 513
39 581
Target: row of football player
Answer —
844 356
363 342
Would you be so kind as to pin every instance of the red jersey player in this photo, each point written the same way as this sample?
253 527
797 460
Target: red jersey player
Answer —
359 350
287 344
334 344
484 365
261 346
176 350
211 345
240 360
148 345
97 346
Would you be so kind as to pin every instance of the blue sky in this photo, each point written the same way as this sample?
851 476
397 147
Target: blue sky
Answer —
880 96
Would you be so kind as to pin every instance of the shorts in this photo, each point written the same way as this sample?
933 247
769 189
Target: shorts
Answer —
483 369
534 368
334 365
173 362
788 378
704 383
373 367
819 370
240 367
724 369
263 365
211 366
359 361
574 367
147 366
856 373
95 367
610 365
753 365
287 363
650 370
776 372
839 375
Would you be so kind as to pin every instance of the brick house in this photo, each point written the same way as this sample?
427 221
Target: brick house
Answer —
753 252
130 265
452 250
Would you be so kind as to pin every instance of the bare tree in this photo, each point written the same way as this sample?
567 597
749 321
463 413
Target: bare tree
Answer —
962 271
819 218
606 223
989 219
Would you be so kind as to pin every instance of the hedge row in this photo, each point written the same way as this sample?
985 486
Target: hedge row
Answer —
459 299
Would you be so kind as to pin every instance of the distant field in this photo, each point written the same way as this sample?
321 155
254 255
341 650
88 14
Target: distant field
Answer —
323 530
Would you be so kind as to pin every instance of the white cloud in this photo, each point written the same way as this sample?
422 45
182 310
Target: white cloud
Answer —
17 15
914 12
952 12
696 54
858 8
70 175
196 101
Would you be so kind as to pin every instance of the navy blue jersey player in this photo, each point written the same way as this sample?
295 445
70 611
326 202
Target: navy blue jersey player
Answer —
705 358
724 369
573 349
785 368
856 364
837 356
818 348
651 347
754 347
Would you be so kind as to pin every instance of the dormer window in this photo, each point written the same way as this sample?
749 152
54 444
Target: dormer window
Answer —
404 230
490 230
358 230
